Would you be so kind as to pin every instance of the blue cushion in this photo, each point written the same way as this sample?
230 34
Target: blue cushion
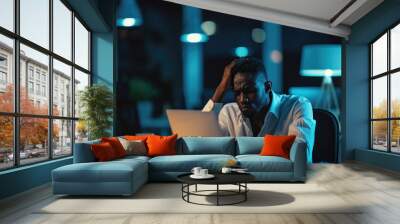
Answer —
206 145
249 145
83 153
257 163
185 163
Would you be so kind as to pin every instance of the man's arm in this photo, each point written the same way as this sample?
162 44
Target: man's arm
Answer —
303 125
214 103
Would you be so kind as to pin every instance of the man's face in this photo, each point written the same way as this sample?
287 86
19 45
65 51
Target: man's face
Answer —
250 95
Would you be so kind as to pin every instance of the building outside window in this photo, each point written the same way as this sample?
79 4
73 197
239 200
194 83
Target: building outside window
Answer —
43 90
44 77
58 130
30 87
3 78
30 72
3 72
37 75
385 92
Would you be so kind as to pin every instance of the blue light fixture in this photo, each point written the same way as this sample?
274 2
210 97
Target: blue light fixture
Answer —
128 14
241 52
194 38
323 60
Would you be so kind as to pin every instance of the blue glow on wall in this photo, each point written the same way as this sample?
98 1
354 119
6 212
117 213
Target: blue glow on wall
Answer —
241 52
321 60
272 55
192 57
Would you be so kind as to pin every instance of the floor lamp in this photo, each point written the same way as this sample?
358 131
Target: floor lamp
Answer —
323 60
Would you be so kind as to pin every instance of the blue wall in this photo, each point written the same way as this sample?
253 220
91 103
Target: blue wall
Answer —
24 178
355 123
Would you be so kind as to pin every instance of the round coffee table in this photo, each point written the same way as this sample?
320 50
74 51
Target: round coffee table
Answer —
238 179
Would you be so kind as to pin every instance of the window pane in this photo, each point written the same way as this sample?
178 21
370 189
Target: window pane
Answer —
62 89
395 47
35 21
6 142
81 45
81 131
81 81
379 135
395 132
34 97
62 138
395 94
379 55
6 74
379 97
7 14
62 29
33 139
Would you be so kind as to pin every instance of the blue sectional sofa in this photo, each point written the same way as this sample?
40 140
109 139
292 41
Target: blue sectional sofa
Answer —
125 176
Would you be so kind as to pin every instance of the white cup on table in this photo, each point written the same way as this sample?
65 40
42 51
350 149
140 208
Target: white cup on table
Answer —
203 172
196 171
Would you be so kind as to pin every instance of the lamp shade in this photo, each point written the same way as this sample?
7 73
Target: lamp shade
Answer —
321 60
128 14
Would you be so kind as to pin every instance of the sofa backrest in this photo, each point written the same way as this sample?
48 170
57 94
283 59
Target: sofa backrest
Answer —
83 152
190 146
249 145
206 145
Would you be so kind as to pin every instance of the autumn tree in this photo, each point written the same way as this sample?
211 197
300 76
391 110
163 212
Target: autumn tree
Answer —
380 127
33 131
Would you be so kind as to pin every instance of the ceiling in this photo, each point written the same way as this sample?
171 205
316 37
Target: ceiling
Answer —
333 17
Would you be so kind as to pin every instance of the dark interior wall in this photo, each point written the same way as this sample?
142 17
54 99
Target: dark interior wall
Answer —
152 53
149 56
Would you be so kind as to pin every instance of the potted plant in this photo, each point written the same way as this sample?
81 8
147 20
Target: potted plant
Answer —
96 104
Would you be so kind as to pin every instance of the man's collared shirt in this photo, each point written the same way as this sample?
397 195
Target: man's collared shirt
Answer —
287 115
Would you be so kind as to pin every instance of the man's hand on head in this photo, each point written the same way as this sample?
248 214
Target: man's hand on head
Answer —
225 82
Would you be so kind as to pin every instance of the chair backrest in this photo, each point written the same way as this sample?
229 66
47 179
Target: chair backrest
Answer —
326 145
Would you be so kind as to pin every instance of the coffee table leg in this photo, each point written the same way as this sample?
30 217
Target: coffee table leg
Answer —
245 193
217 194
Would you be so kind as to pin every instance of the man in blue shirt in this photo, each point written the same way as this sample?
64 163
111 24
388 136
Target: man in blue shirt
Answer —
258 110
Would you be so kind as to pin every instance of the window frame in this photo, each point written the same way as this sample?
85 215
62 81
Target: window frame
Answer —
16 114
388 74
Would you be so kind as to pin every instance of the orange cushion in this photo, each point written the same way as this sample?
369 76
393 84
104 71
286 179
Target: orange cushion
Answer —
116 145
103 151
136 137
161 145
277 145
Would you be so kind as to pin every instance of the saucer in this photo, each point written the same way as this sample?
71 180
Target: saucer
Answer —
208 176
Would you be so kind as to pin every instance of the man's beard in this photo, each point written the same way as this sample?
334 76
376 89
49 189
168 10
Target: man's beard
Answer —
247 112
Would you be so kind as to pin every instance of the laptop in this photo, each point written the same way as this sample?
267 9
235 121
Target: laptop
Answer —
193 123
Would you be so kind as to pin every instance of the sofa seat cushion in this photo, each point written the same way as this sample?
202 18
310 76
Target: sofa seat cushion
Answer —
185 163
257 163
111 171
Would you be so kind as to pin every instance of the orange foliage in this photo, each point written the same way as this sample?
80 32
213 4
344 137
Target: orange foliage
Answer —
33 130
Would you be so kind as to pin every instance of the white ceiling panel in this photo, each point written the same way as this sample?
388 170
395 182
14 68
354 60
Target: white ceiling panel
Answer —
325 16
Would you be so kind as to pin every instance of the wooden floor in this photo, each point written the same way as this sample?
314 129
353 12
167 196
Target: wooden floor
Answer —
378 188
